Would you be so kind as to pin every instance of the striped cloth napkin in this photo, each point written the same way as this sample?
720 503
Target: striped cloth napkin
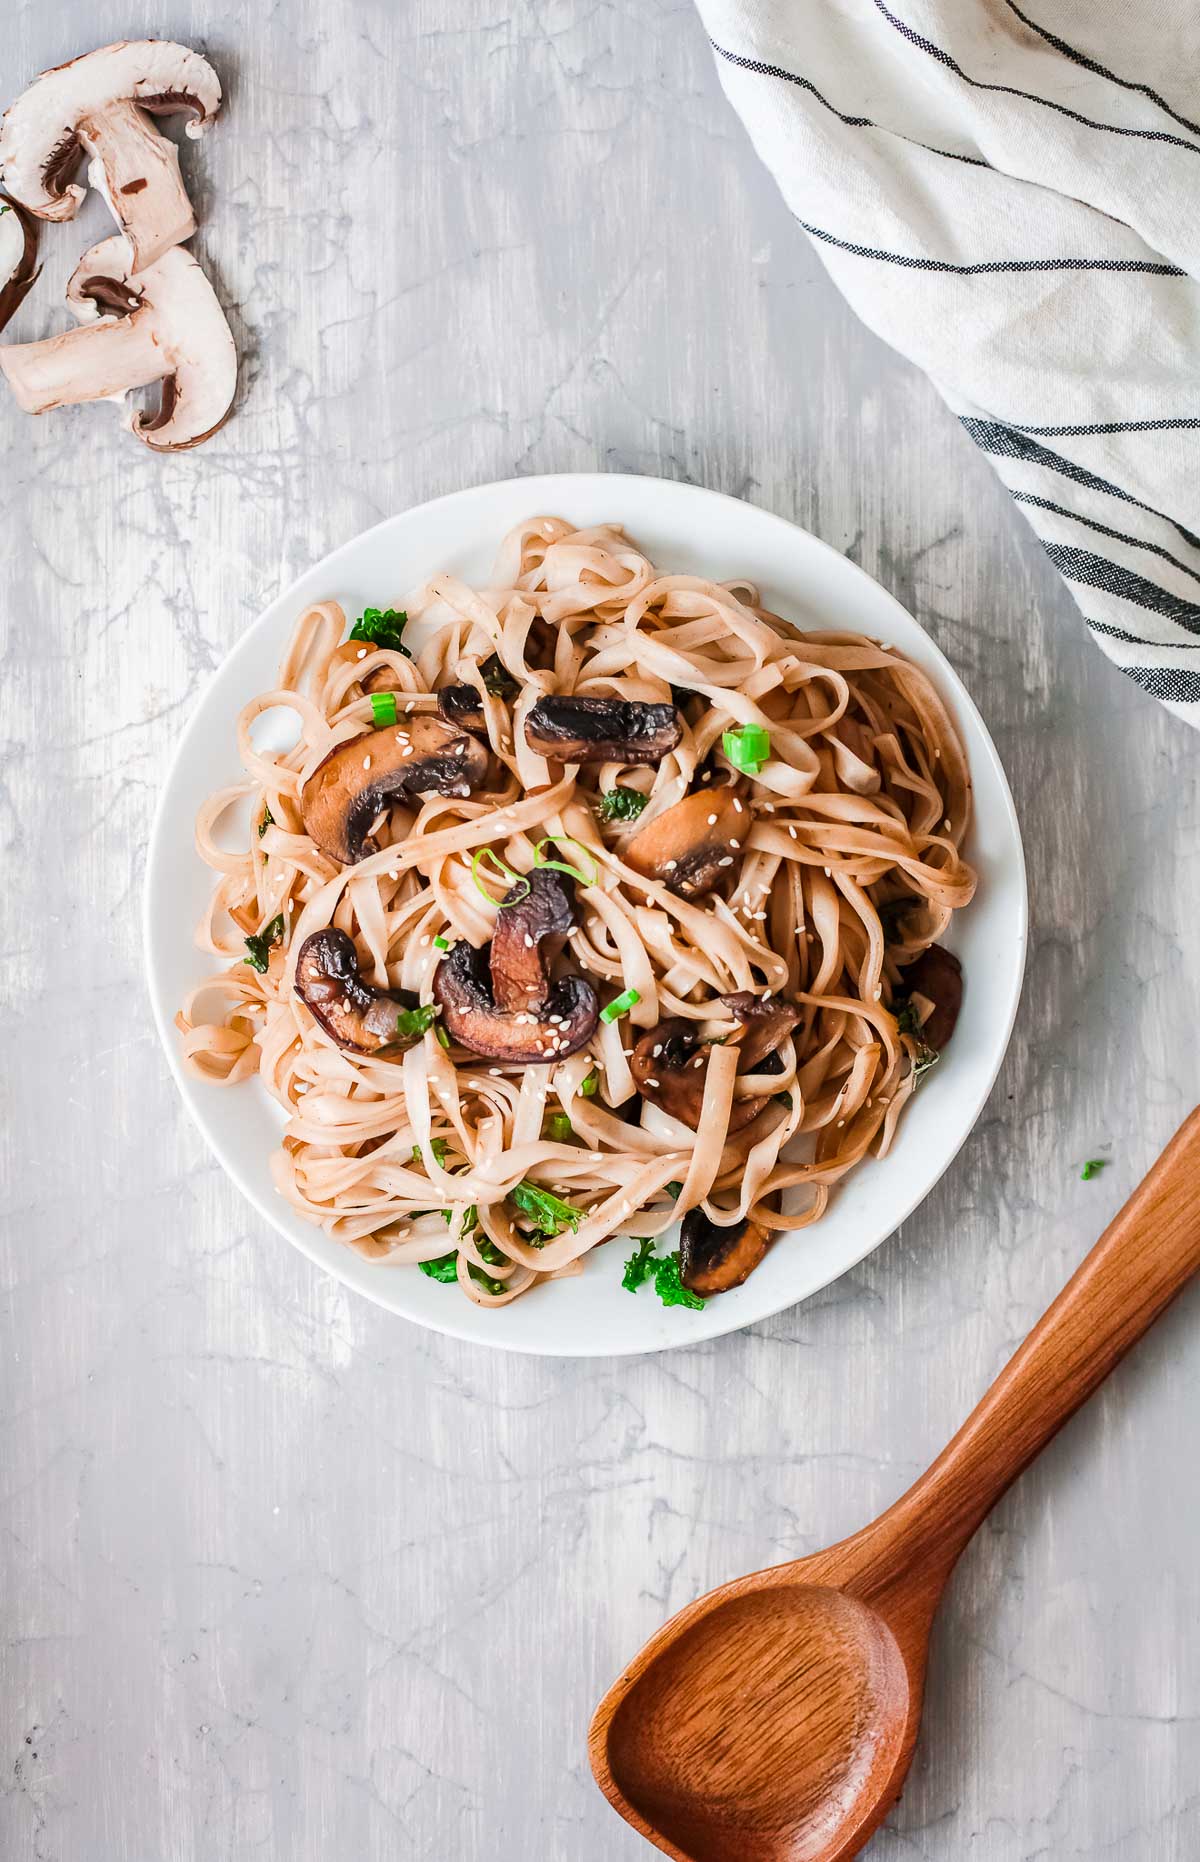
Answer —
1011 197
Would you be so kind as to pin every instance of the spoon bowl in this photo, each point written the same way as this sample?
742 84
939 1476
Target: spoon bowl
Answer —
775 1719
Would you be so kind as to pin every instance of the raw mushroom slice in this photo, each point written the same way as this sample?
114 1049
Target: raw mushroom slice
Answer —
18 256
693 847
713 1259
462 987
164 326
356 1015
531 928
602 730
358 780
101 105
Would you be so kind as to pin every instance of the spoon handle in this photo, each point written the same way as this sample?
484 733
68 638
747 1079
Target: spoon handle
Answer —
1145 1255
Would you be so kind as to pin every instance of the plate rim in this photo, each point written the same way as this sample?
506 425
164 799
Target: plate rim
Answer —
310 1245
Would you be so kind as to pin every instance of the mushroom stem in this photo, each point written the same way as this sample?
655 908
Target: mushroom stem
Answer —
130 158
92 363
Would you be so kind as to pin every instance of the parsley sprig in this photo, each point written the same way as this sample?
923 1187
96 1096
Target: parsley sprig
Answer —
260 944
663 1269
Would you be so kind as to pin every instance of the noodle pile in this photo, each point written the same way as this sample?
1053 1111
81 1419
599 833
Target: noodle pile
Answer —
848 868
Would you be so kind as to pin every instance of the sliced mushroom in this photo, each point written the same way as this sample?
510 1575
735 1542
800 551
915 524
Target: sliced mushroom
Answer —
531 929
358 780
462 706
602 730
714 1259
356 1015
767 1020
18 255
166 325
101 104
566 1021
693 846
670 1066
936 979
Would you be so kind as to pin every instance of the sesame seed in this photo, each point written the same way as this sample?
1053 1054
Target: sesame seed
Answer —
841 1122
653 1083
946 824
712 821
657 1049
361 654
727 861
792 832
366 762
737 807
671 865
735 843
528 941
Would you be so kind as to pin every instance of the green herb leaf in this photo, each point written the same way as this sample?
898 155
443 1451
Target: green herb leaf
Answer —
497 678
620 1005
549 1212
445 1268
383 708
382 627
664 1270
639 1266
439 1148
491 1253
413 1022
268 820
621 803
747 748
261 944
558 1128
674 1189
1093 1167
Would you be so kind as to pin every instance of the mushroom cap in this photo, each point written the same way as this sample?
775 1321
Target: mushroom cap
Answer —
937 975
18 255
689 845
359 779
462 707
39 139
602 730
462 987
712 1259
353 1013
531 929
768 1020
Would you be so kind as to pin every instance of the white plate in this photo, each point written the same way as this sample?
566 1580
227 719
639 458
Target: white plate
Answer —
683 528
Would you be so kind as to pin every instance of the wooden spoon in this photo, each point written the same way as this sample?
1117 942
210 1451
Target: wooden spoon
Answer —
774 1720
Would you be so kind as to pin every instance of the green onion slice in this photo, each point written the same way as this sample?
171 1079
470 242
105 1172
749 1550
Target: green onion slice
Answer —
591 1085
747 748
563 866
439 943
621 1005
383 707
503 870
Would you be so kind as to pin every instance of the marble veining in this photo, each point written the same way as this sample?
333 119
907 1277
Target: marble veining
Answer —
282 1576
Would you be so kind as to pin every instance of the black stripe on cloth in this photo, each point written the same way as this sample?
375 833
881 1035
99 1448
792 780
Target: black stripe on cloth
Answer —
990 265
991 436
1114 426
1136 640
1101 71
1179 685
762 70
1105 530
1108 576
1114 129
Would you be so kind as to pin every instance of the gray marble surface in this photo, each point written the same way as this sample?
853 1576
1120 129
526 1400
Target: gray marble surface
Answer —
282 1576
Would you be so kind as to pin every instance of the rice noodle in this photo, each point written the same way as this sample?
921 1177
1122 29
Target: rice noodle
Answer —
861 805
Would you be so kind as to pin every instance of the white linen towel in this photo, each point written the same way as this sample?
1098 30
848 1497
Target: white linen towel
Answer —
1010 196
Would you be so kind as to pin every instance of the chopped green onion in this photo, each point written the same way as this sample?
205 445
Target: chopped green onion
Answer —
747 748
591 1086
382 627
413 1022
268 820
550 1213
441 1034
439 943
620 1005
561 866
559 1128
383 707
497 679
506 871
621 803
445 1268
1092 1168
260 944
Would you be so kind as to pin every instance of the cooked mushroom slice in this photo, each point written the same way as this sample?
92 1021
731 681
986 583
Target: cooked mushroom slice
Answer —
602 730
462 706
359 779
669 1067
531 929
462 987
102 104
165 325
358 1017
714 1259
693 847
18 255
767 1021
934 988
